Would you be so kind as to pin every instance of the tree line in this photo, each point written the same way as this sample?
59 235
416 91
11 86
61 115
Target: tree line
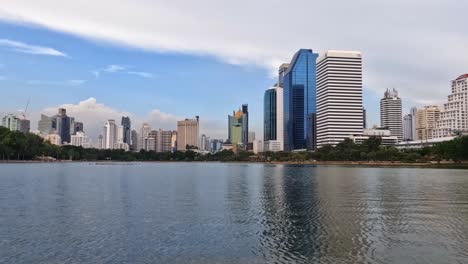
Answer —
15 145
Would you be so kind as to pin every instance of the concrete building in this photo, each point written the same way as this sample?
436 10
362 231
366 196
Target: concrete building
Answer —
174 141
299 90
454 115
273 116
408 127
251 137
46 125
110 134
216 145
100 143
257 146
339 96
238 126
426 119
15 123
53 139
419 144
80 139
188 131
273 146
391 113
134 141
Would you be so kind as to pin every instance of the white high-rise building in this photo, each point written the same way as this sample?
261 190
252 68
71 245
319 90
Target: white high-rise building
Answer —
80 139
110 134
454 115
339 96
391 113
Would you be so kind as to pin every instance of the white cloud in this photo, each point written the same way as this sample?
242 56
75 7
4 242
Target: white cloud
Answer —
114 68
94 116
415 46
142 74
31 49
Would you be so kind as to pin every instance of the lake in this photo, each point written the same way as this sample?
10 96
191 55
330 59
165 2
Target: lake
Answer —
231 213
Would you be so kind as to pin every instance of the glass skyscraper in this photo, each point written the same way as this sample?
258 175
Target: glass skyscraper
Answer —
300 101
127 129
269 112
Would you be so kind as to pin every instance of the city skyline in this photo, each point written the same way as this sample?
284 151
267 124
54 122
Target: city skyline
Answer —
67 63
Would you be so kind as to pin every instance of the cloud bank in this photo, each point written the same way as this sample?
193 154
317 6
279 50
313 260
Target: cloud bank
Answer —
415 46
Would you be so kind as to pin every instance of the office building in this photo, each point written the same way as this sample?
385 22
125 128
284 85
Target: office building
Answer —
15 123
64 126
454 115
387 139
53 139
188 133
364 118
408 127
174 141
80 139
134 141
391 113
165 141
100 142
299 90
47 125
127 130
257 146
204 142
79 127
251 137
339 96
273 127
145 129
426 119
238 126
110 134
413 113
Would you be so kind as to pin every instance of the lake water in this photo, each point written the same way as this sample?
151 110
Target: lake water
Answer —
231 213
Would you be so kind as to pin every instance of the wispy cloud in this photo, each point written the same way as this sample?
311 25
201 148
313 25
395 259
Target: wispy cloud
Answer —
59 83
31 49
116 68
141 74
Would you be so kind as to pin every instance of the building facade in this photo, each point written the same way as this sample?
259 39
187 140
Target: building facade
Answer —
238 126
80 139
299 84
127 130
188 131
391 113
426 119
273 116
454 115
110 134
408 127
339 96
15 123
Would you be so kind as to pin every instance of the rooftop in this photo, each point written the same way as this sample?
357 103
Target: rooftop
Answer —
464 76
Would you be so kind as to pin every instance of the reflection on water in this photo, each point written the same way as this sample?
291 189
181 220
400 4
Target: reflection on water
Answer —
231 213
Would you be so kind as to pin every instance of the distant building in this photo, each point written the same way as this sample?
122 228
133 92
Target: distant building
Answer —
238 127
47 125
110 134
257 146
339 96
454 115
413 112
426 119
165 142
100 143
273 146
79 127
63 125
418 144
273 117
60 124
251 137
391 113
216 145
364 118
134 141
300 108
204 143
188 131
80 140
53 139
127 130
148 144
15 123
383 133
174 141
408 127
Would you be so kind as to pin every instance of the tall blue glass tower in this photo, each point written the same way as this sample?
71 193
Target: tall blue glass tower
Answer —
300 105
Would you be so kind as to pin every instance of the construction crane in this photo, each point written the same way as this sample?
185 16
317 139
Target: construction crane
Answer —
25 111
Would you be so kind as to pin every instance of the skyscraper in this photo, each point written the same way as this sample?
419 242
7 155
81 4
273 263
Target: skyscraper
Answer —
273 117
127 130
110 134
188 133
408 127
454 116
79 127
47 125
238 126
134 141
390 113
426 119
339 96
63 125
299 83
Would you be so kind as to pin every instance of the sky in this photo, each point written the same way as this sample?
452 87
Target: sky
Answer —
162 61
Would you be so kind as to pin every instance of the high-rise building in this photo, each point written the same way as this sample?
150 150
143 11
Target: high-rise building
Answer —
281 73
79 127
165 140
426 119
454 116
364 118
251 137
273 128
391 113
204 142
188 133
15 123
134 141
80 140
53 139
110 134
174 141
64 126
47 125
100 143
154 134
145 129
339 96
127 130
238 126
408 127
299 84
413 113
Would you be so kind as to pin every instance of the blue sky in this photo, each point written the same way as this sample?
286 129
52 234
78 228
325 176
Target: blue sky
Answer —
176 59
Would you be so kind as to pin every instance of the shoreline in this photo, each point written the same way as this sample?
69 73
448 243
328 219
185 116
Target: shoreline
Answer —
373 164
